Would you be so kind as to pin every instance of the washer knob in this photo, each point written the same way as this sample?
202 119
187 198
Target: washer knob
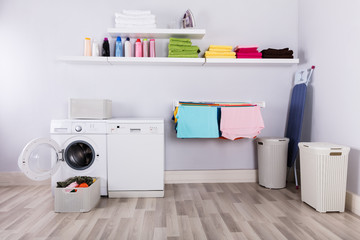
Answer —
78 128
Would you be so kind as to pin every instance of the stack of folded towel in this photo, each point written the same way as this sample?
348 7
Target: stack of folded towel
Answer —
277 53
182 48
247 52
135 19
218 51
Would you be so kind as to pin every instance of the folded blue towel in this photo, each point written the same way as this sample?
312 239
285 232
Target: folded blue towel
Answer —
197 122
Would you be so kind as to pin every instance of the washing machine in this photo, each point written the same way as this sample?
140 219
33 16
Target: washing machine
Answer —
135 150
75 148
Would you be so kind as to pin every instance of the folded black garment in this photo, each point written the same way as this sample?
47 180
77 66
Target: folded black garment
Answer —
272 51
78 179
277 56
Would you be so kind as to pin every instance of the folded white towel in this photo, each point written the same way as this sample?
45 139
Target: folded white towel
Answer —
118 25
136 12
120 15
133 21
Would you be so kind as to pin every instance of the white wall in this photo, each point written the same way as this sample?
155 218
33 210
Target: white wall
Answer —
35 87
329 38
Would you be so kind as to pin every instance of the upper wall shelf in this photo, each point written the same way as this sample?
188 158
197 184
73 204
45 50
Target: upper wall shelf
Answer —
157 33
177 61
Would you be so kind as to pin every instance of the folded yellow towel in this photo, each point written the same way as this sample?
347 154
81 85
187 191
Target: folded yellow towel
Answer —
221 46
220 57
219 50
211 53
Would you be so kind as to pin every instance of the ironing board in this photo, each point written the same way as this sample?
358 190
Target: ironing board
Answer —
295 117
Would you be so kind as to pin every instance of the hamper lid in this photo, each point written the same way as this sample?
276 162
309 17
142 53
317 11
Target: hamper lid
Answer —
323 146
272 139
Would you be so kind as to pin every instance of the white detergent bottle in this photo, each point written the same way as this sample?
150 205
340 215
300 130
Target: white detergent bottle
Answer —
95 49
127 48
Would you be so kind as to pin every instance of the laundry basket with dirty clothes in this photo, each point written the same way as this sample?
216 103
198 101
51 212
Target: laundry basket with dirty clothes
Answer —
74 198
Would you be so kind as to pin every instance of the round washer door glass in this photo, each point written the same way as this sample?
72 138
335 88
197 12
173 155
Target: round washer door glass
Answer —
79 155
40 159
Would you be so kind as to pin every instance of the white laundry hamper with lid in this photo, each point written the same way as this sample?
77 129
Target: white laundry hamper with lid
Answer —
272 160
323 174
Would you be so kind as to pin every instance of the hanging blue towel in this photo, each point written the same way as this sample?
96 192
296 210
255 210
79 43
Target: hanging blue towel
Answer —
197 122
295 118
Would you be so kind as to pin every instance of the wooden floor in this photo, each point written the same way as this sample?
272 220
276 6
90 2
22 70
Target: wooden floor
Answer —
188 211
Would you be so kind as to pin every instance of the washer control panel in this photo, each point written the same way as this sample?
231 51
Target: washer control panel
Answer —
88 127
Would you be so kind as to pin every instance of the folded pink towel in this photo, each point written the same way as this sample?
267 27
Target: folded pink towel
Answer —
245 122
249 55
247 50
245 47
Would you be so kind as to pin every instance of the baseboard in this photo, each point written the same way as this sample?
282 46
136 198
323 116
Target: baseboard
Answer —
353 203
203 176
18 178
210 176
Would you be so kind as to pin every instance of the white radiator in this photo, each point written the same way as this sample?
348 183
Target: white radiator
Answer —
323 170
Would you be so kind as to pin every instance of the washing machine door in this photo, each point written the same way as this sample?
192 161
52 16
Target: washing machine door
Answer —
40 159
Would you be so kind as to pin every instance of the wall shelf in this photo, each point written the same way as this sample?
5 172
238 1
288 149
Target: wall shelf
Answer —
156 61
133 60
157 33
83 60
176 61
245 61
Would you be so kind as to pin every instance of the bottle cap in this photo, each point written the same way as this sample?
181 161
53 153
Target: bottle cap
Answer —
87 38
105 39
152 39
138 40
118 38
144 39
127 39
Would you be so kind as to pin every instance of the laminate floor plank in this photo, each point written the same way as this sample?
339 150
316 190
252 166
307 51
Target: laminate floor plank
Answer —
187 212
136 225
185 228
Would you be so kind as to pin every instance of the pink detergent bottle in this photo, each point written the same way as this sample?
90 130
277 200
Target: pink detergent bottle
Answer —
152 48
138 48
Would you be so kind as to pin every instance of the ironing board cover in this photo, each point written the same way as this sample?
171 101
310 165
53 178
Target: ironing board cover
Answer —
295 118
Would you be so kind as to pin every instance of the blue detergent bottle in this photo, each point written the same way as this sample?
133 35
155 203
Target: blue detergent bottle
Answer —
118 47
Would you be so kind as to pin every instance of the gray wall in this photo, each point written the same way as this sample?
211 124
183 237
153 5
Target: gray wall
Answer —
34 87
329 38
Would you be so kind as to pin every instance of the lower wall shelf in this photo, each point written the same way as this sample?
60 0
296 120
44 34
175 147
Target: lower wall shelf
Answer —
177 61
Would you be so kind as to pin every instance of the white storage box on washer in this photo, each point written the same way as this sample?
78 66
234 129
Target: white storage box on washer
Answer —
272 161
90 108
323 171
83 200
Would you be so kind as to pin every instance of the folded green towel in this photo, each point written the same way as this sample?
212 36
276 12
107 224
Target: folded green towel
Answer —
180 39
184 56
185 52
183 48
176 43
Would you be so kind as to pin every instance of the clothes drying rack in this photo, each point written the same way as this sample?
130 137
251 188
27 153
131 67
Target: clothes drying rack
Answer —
207 121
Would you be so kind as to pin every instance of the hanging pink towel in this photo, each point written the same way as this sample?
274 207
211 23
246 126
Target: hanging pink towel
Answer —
245 122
